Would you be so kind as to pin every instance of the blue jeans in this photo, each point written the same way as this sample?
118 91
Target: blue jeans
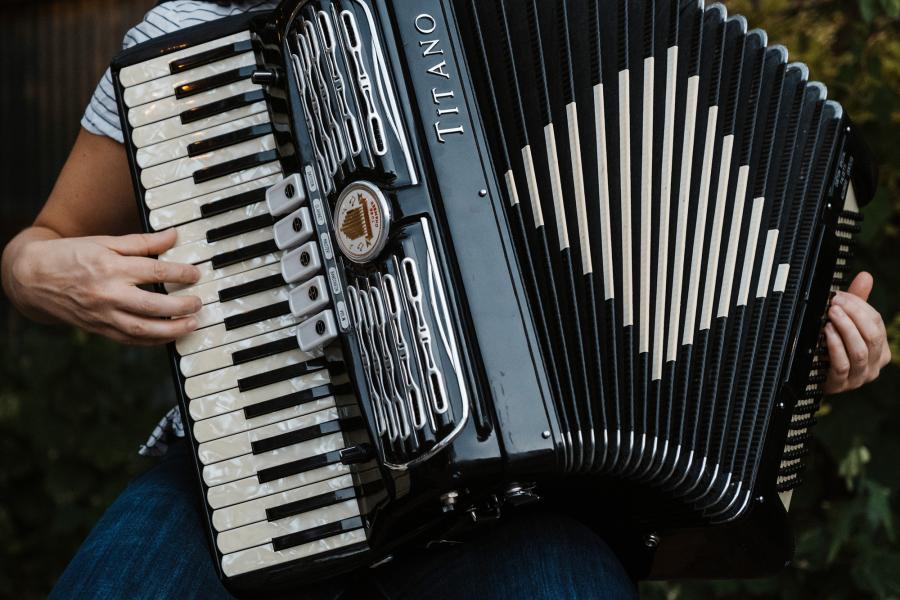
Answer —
150 544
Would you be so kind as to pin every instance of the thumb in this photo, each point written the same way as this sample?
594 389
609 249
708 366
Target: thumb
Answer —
142 244
861 285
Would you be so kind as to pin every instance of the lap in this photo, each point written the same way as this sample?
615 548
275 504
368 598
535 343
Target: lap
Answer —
151 543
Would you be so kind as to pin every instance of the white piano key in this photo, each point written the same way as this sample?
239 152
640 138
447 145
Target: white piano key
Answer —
209 292
156 154
286 196
227 378
221 357
190 210
255 510
216 335
263 532
173 107
301 263
216 312
253 559
294 229
185 189
249 488
235 421
208 274
197 230
159 67
239 444
163 87
173 128
181 168
200 251
248 465
310 297
222 404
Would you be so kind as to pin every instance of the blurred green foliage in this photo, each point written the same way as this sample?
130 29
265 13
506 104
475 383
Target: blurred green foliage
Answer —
73 408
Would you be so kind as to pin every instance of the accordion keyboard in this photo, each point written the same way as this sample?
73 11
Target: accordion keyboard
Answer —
274 440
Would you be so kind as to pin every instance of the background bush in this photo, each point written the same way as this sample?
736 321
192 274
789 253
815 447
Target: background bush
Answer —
74 408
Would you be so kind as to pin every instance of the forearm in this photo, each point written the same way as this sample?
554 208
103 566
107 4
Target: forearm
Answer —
17 267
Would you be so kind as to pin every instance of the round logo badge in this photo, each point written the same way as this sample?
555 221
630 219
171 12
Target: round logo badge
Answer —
361 220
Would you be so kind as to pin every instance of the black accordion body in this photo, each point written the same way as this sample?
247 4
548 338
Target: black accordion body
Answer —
461 256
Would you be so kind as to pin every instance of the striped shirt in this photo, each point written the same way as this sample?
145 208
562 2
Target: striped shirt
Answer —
102 118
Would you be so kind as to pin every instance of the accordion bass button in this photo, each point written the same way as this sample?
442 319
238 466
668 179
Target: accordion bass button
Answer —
316 331
264 77
286 196
301 263
309 298
294 229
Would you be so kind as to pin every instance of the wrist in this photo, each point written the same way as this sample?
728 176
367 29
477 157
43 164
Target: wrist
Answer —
21 272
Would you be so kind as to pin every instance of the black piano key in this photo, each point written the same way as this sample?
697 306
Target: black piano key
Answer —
299 466
251 287
239 227
210 56
348 456
263 350
213 108
316 533
233 166
259 314
299 507
290 400
245 253
229 139
213 81
298 436
284 373
302 506
241 200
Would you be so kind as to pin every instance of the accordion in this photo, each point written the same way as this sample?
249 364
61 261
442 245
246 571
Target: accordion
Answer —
462 256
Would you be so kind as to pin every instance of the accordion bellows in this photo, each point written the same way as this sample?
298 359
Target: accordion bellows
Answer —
459 256
665 169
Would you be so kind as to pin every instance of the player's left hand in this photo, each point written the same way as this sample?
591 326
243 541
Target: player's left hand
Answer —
856 338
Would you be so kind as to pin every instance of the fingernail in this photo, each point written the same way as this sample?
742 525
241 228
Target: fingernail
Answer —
192 323
838 299
837 311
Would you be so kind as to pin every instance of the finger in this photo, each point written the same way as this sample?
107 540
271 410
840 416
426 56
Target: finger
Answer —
840 362
141 244
857 350
864 316
150 270
150 304
861 286
145 330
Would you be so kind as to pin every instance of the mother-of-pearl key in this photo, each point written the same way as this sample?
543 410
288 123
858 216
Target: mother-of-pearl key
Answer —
241 443
173 127
263 532
250 464
236 421
181 146
200 251
192 209
184 189
216 312
249 488
223 356
260 557
160 67
208 274
224 379
216 335
209 292
208 408
201 230
172 106
163 87
181 168
255 510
